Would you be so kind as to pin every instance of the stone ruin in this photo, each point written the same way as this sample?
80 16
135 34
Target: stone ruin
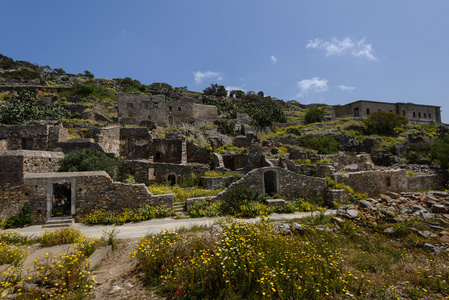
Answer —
29 156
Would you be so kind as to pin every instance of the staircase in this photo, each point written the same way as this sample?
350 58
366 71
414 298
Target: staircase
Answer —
179 207
59 222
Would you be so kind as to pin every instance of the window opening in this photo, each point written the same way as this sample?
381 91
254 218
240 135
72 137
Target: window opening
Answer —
356 112
171 179
27 144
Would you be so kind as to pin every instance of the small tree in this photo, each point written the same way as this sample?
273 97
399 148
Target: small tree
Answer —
215 90
89 160
384 122
314 115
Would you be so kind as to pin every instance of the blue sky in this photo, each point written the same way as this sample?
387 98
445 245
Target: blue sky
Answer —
332 52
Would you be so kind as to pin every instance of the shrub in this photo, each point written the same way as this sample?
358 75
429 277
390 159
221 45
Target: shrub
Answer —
247 261
67 235
89 160
23 106
384 122
439 151
314 115
20 220
202 208
322 143
238 195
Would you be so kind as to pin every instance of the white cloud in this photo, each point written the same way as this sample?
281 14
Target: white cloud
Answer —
346 88
313 85
344 46
274 60
199 76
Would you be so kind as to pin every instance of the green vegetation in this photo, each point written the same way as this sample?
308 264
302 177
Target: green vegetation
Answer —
181 194
215 90
314 115
20 220
23 107
89 160
384 122
439 151
126 215
324 144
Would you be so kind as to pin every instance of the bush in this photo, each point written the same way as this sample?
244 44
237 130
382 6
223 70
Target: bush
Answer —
321 143
439 151
202 208
20 220
23 106
238 195
89 160
384 122
314 115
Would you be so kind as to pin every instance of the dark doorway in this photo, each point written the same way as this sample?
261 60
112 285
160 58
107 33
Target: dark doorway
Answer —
171 179
62 200
157 157
171 121
270 183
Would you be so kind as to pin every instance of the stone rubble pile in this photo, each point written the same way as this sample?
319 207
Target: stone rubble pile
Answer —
431 207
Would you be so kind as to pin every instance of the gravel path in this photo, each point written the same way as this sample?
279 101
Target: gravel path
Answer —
136 230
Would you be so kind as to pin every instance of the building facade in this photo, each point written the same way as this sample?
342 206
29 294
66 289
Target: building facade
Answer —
415 113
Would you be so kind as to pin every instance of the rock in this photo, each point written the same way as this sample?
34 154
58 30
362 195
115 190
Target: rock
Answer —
445 239
439 209
351 214
364 204
337 221
393 195
390 231
425 234
298 228
417 208
432 248
284 229
115 289
442 233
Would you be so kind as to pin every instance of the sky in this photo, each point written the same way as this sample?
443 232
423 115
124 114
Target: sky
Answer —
332 52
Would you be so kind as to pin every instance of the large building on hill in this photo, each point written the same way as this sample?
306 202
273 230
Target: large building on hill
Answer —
415 113
138 109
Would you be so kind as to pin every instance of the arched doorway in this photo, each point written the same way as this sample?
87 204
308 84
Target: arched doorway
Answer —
270 183
171 179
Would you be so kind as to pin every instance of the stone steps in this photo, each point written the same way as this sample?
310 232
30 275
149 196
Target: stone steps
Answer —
179 207
58 222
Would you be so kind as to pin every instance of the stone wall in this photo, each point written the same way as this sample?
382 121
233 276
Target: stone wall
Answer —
91 190
235 161
13 164
426 182
213 183
11 201
108 139
374 182
166 150
350 163
135 142
27 137
287 182
148 172
138 108
197 154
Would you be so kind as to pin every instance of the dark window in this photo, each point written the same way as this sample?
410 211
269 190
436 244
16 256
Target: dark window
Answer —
171 179
403 112
430 116
170 108
419 115
414 115
171 121
424 115
367 111
388 181
356 112
157 157
27 144
179 108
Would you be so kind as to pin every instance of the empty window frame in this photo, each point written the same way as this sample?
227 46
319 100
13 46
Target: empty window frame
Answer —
367 111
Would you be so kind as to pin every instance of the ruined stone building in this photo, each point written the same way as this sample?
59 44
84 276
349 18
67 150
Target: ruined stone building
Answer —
138 109
415 113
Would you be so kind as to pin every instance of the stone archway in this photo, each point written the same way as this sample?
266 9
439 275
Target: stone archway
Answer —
171 179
